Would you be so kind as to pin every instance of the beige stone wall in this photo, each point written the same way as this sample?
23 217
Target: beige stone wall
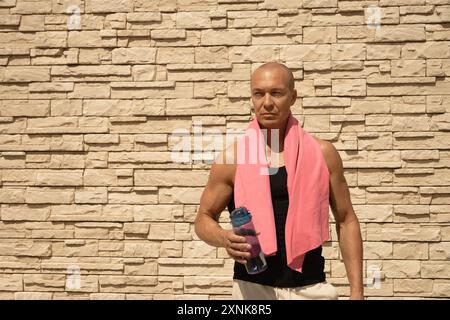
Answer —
87 114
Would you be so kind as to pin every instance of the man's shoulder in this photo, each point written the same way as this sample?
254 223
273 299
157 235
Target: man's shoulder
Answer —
326 146
330 154
224 165
228 155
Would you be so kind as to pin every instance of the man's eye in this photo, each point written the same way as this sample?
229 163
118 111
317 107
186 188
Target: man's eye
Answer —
277 94
257 94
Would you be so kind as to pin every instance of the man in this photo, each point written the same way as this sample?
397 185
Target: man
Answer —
273 94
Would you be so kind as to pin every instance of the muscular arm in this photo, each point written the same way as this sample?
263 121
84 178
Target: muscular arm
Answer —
347 224
213 201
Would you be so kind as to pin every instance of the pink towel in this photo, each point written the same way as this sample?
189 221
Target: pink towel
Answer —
308 178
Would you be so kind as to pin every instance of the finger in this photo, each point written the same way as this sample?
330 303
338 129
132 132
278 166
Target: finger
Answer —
243 247
238 259
236 254
236 238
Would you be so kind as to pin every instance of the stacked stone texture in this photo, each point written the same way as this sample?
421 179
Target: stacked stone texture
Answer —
87 116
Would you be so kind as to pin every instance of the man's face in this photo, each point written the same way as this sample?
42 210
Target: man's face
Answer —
272 97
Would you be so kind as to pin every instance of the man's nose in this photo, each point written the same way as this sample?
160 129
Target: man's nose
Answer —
267 100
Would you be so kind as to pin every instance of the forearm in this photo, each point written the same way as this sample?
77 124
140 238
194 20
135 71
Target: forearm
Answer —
209 230
350 243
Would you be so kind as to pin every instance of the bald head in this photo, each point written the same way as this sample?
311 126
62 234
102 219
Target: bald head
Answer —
277 67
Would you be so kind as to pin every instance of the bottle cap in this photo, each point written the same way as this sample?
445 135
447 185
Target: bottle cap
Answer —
240 216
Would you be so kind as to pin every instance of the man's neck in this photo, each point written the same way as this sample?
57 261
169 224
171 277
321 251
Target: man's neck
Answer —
281 131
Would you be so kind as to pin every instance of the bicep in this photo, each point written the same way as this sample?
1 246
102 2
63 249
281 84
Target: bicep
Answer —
217 192
340 201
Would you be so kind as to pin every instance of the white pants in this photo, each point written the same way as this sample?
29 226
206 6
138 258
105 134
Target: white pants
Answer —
244 290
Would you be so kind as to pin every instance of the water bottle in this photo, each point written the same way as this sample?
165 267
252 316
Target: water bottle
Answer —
241 220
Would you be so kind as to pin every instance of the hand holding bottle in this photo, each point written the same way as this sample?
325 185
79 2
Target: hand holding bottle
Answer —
237 246
243 227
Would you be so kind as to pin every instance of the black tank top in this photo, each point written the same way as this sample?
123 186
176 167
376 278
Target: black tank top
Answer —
278 274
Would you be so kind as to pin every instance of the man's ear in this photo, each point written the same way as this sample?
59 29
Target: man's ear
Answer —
294 97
